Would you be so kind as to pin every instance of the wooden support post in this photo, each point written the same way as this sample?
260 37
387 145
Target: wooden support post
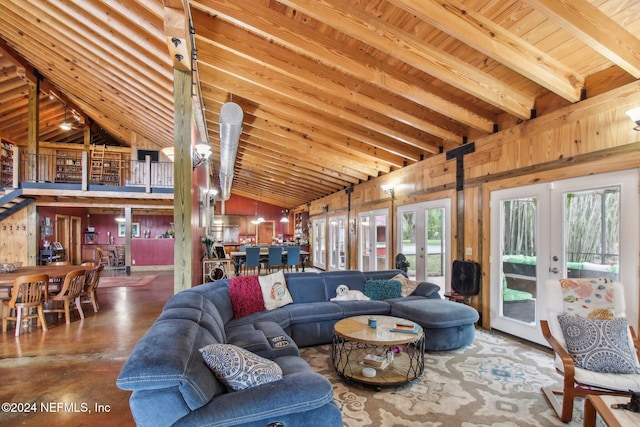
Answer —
183 173
33 132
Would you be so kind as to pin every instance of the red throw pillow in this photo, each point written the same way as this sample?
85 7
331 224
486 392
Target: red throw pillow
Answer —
246 295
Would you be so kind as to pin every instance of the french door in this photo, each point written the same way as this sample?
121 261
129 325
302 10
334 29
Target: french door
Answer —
424 238
319 243
582 227
337 242
373 240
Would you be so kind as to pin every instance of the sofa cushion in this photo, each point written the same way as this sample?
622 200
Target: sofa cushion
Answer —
305 287
167 357
358 308
264 338
218 293
274 290
313 312
427 290
600 345
352 278
239 369
430 313
407 285
246 295
206 319
383 289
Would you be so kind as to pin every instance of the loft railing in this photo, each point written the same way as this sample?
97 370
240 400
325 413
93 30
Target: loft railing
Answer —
78 169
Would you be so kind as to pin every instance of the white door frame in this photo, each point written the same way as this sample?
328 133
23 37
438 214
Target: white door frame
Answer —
550 206
371 240
421 235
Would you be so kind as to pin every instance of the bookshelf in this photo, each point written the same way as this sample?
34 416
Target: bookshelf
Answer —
6 164
105 166
69 166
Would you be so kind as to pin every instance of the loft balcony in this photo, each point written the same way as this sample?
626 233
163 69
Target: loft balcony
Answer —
80 171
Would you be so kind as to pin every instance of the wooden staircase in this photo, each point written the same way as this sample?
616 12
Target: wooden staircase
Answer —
12 201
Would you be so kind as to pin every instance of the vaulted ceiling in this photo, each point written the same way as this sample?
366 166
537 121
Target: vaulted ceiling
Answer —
334 92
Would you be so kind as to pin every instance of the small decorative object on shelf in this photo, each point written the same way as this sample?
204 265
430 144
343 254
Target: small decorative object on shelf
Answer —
208 244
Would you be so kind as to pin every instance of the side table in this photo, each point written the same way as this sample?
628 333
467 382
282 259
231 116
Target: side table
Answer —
601 404
208 264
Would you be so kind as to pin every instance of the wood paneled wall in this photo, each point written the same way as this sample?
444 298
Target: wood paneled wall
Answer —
591 136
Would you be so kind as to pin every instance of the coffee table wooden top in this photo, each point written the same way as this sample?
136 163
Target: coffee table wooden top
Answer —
357 329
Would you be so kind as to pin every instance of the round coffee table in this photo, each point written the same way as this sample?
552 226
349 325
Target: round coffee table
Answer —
354 340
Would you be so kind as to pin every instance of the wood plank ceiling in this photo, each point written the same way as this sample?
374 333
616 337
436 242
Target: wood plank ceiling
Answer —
334 92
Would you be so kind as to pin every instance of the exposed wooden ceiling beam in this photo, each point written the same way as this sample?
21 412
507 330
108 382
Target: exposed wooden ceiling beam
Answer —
250 48
314 135
473 29
387 38
595 29
349 60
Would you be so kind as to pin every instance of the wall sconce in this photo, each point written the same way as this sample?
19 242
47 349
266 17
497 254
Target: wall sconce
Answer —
388 189
201 154
325 208
634 115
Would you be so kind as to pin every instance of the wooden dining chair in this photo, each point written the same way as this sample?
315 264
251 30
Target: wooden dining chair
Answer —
71 289
120 256
101 257
89 294
26 294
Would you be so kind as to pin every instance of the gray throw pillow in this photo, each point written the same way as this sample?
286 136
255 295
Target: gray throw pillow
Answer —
599 345
238 368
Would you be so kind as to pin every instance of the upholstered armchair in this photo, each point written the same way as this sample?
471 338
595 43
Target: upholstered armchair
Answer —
578 381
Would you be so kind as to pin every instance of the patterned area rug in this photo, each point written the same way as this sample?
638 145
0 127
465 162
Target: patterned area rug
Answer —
125 281
493 382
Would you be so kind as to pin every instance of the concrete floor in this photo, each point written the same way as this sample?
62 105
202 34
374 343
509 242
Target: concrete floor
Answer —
67 375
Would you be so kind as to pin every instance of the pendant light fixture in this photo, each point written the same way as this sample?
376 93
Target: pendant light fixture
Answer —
65 125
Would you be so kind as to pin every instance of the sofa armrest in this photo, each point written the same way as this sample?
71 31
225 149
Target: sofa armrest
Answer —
427 290
297 392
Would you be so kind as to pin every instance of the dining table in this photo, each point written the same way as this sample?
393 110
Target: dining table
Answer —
53 271
238 256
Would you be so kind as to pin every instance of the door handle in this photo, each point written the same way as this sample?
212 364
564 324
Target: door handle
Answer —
554 270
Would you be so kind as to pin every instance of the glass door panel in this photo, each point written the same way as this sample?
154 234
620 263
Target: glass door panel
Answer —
408 240
337 236
319 243
373 240
576 228
424 238
436 257
382 246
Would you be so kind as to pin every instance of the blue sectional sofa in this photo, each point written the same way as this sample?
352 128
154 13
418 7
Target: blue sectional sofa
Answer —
172 385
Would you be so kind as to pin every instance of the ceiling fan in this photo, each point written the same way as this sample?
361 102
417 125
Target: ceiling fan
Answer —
69 125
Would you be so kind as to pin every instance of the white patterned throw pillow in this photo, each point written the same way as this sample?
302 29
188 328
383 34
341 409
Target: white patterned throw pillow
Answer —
274 290
600 345
238 368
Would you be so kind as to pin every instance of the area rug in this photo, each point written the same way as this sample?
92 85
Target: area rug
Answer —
493 382
125 281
